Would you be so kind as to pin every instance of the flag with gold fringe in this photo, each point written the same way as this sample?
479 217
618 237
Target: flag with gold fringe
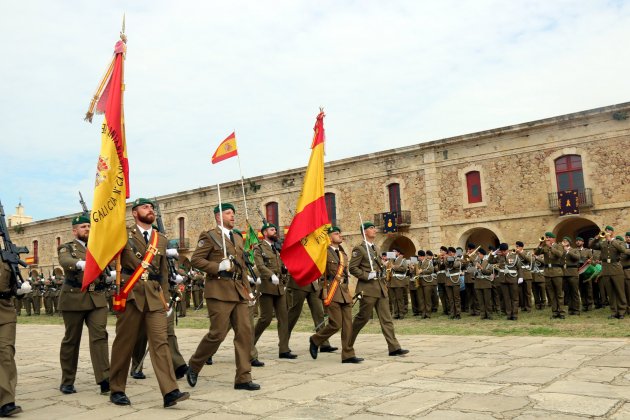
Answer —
568 202
305 246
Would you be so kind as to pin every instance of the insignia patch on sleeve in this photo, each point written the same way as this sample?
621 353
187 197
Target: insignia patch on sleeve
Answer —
355 253
200 243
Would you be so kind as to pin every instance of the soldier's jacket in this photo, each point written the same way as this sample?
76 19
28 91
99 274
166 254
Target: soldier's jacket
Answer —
198 282
452 270
424 270
155 288
524 265
342 294
7 310
610 253
539 273
553 258
484 279
37 285
313 287
399 272
585 254
440 269
468 265
225 286
507 268
268 263
360 268
71 297
570 262
625 262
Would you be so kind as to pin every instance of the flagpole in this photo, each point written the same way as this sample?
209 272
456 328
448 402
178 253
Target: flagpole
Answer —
222 226
243 188
366 243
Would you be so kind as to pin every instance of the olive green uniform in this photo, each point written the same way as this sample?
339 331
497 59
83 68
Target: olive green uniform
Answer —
8 321
78 308
398 288
374 293
553 275
612 273
570 265
427 285
586 285
452 267
296 295
484 278
507 277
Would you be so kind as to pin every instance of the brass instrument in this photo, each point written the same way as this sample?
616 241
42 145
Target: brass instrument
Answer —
473 252
602 234
388 271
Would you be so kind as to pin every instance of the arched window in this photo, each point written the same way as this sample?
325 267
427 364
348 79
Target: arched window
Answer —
473 185
35 252
394 198
271 212
569 174
331 207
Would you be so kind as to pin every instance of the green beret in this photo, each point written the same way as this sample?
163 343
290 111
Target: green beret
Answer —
610 228
579 238
550 235
333 229
619 238
367 225
79 220
238 232
140 202
224 207
627 233
266 226
567 238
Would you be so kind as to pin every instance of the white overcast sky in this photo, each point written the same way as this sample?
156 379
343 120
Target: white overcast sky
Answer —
389 74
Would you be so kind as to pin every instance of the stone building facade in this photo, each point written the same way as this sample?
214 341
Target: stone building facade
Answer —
500 184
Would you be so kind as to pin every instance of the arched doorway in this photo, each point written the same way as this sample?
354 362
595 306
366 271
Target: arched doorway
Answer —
401 242
576 226
480 237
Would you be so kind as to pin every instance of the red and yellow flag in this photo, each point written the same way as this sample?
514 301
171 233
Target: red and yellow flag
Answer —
305 245
226 149
108 234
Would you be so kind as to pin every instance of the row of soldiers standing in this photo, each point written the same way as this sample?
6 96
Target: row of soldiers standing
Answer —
44 290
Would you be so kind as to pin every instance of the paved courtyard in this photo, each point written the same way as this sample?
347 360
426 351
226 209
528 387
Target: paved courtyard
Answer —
443 377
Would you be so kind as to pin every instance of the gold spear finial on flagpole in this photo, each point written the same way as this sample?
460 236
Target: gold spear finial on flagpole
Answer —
123 37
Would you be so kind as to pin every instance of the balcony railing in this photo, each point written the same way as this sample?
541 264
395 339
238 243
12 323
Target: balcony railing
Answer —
403 219
585 199
182 243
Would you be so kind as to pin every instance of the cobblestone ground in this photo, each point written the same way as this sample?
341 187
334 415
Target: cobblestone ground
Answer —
443 377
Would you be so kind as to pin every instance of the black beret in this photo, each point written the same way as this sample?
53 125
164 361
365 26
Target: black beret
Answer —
482 251
429 253
504 247
421 253
520 244
451 249
471 245
443 248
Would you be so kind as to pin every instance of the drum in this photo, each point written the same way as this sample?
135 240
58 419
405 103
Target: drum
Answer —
589 272
598 271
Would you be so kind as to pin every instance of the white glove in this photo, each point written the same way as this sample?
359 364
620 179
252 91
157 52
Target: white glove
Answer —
372 275
111 277
24 289
178 279
225 265
80 265
258 280
172 253
275 280
52 277
520 280
250 279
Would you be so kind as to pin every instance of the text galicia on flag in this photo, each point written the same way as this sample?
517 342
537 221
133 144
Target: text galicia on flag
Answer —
304 250
226 149
108 233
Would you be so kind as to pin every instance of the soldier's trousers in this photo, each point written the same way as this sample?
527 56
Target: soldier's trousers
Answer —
510 298
96 321
615 289
484 297
417 300
573 286
8 379
471 299
452 293
540 294
397 301
525 295
600 296
428 291
435 300
18 306
268 305
497 298
295 302
197 299
555 294
128 324
586 294
140 349
443 298
339 317
627 289
381 305
37 304
181 306
28 305
224 315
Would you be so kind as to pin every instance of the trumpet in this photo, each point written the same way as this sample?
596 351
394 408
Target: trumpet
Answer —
602 234
473 252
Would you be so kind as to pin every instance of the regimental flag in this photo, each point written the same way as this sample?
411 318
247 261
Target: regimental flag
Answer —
568 202
305 246
226 149
389 222
250 241
108 234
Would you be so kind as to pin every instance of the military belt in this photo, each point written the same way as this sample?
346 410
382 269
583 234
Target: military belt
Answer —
570 266
554 265
154 277
228 275
625 267
6 295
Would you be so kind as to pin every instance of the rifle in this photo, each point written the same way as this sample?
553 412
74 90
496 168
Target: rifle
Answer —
86 212
160 224
10 254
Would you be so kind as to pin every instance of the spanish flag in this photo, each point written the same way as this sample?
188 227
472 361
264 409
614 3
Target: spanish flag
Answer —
226 149
108 234
305 245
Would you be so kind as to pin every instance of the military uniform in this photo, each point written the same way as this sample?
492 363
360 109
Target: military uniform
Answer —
507 276
8 322
38 291
197 290
145 308
415 292
625 264
469 281
452 267
553 275
440 269
484 277
374 294
570 265
272 297
538 282
525 288
78 308
227 297
340 308
296 295
427 285
585 284
398 287
612 273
